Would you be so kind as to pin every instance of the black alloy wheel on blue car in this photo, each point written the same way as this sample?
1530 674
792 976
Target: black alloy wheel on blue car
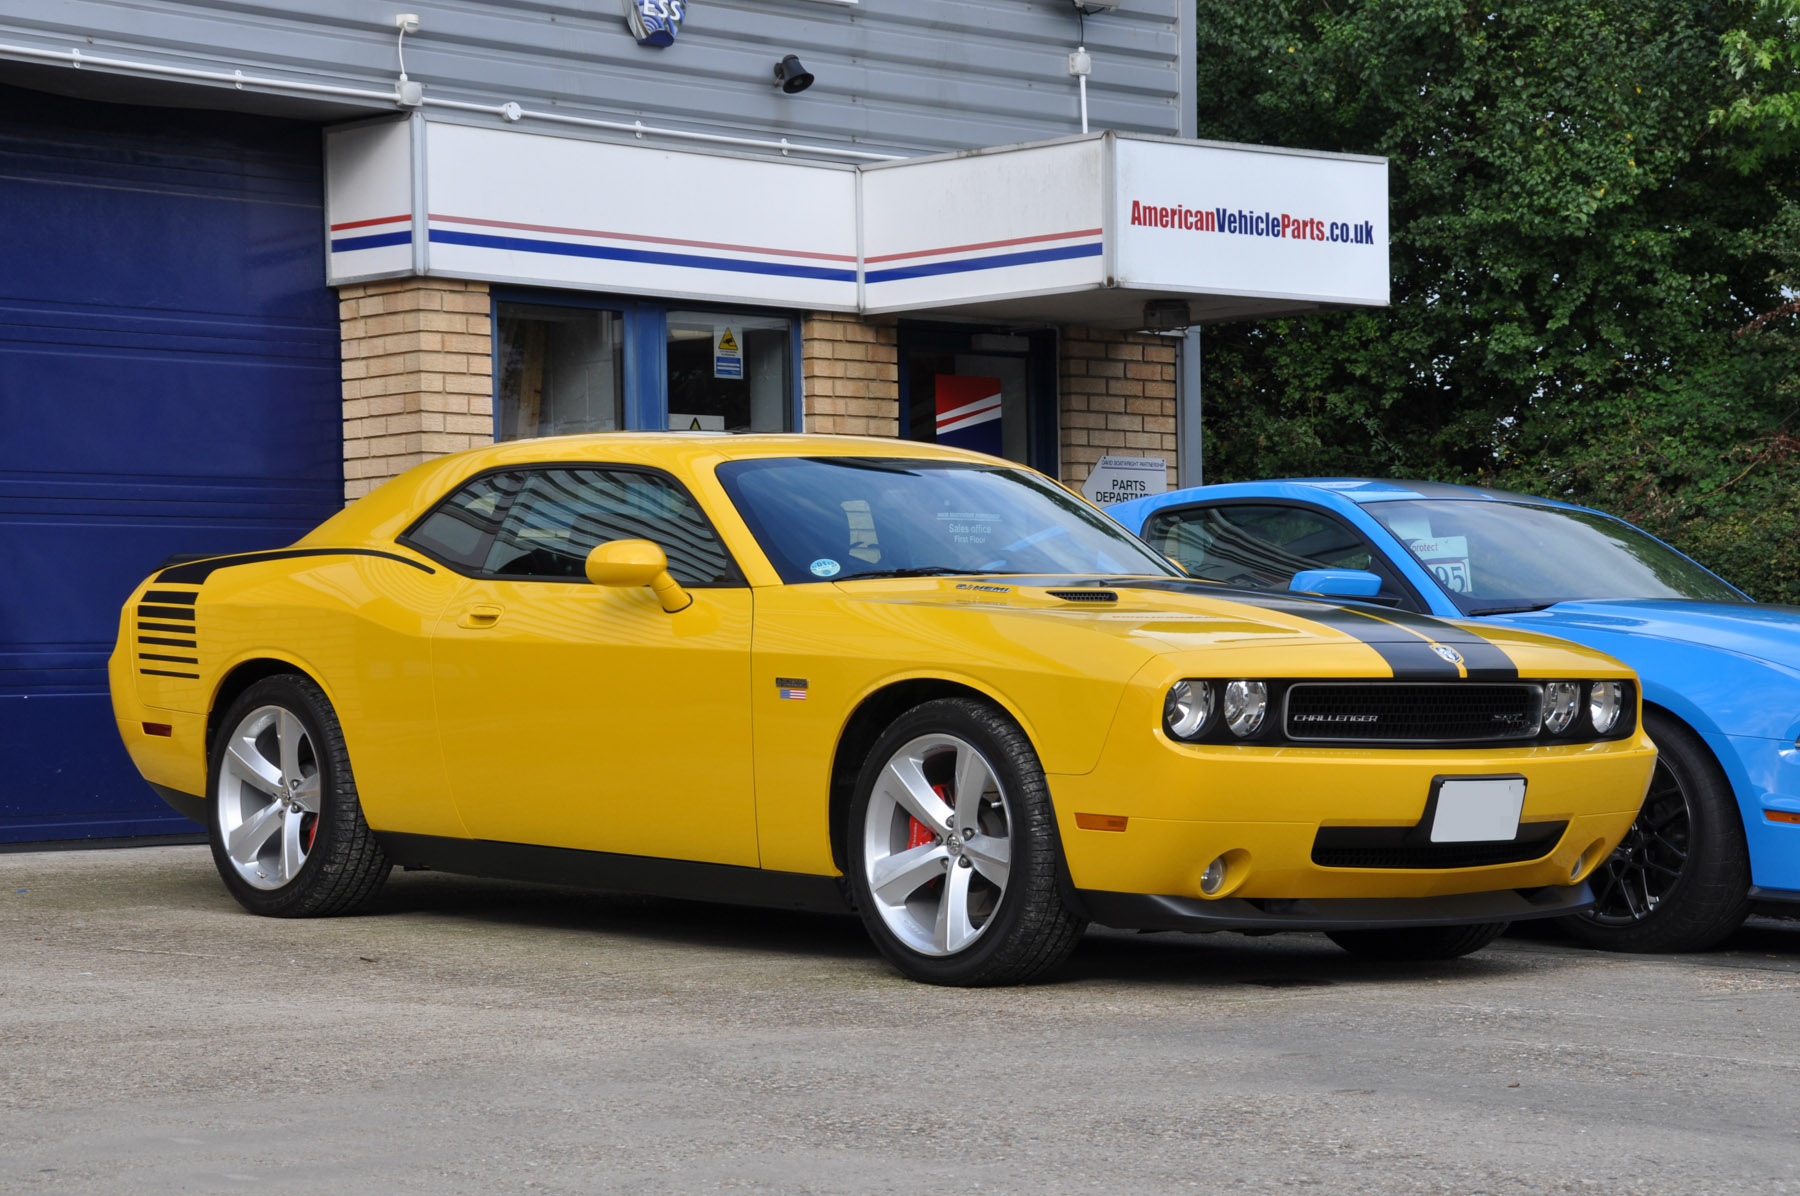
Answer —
1680 879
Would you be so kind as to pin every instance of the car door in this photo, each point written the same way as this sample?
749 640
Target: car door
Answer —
1260 546
581 716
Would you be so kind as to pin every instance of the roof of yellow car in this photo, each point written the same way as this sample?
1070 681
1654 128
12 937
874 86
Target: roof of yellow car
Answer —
386 511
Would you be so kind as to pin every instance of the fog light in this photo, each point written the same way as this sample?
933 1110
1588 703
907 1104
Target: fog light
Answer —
1605 700
1561 698
1245 704
1213 879
1187 709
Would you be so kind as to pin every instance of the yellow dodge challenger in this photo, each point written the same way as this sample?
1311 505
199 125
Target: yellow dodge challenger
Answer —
807 672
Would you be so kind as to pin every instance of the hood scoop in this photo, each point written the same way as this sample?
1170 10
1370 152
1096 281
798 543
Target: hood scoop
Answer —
1084 595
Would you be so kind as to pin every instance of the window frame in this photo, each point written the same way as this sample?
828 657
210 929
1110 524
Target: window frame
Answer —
737 581
646 345
1411 600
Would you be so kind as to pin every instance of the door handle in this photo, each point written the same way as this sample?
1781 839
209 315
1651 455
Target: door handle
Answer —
480 616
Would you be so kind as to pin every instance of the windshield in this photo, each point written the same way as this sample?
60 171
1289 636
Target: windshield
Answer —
825 518
1494 556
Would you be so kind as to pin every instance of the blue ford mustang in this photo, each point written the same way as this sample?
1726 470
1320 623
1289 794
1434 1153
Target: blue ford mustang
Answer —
1720 827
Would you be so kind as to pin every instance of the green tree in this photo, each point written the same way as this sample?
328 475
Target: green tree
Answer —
1593 223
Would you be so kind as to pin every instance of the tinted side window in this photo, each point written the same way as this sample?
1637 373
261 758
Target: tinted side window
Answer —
459 531
1260 547
560 515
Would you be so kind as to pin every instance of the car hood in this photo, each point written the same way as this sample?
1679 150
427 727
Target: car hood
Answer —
1767 633
1172 615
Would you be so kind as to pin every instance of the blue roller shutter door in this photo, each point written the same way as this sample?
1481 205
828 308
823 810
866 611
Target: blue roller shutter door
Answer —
169 382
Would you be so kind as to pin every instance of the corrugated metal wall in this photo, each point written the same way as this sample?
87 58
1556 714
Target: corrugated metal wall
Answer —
903 76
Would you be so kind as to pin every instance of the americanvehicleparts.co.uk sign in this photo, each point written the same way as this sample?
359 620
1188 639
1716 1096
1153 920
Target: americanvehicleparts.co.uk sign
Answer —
1252 224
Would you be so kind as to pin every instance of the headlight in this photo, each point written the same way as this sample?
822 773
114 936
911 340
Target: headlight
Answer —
1245 704
1187 709
1561 700
1605 700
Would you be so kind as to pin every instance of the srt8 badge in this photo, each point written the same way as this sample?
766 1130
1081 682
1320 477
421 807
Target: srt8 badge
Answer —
655 22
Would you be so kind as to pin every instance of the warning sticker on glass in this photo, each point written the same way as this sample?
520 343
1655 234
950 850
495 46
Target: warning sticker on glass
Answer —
728 352
1448 559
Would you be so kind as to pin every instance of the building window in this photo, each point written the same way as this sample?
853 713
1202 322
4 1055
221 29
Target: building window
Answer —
729 371
558 370
562 367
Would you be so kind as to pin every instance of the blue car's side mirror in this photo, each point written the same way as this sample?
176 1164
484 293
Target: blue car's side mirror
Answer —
1336 583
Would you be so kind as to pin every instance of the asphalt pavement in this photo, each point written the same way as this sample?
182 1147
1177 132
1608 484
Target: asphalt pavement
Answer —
475 1036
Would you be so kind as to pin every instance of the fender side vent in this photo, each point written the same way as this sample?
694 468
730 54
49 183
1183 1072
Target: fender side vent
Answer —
1084 595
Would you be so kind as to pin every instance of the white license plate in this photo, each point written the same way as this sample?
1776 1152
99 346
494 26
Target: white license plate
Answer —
1478 811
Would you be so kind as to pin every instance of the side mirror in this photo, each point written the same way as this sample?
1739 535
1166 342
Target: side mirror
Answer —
627 564
1336 583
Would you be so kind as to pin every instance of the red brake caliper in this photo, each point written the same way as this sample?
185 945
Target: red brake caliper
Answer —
923 835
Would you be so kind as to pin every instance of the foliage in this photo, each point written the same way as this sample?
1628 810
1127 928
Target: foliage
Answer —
1595 248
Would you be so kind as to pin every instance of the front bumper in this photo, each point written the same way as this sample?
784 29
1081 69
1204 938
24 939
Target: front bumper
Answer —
1151 816
1150 911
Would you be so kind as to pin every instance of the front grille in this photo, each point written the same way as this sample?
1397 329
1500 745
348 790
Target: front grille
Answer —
1404 712
1389 847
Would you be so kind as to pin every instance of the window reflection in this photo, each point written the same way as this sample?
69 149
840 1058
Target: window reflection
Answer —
561 371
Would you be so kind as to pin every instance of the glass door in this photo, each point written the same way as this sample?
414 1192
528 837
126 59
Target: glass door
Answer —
992 392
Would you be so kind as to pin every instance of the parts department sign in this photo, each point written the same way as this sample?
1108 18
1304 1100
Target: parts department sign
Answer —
1121 479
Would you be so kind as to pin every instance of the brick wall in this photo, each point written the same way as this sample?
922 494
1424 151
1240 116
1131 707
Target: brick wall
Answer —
851 369
1118 396
418 375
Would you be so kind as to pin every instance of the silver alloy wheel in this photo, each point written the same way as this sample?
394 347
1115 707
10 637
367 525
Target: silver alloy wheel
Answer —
269 797
937 844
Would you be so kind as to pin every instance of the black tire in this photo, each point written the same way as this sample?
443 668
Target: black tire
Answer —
342 866
1418 942
1680 880
1027 929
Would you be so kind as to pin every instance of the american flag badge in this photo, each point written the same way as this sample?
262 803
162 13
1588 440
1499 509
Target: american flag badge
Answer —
791 689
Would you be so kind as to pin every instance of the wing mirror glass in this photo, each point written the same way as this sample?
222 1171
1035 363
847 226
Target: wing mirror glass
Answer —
1336 583
627 564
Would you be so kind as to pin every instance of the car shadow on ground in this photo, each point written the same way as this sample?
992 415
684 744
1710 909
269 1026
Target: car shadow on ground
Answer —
1770 933
1283 961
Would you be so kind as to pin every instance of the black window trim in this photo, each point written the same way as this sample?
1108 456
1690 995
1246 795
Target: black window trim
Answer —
1404 587
737 581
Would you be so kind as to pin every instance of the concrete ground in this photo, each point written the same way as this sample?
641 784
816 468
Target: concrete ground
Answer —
472 1036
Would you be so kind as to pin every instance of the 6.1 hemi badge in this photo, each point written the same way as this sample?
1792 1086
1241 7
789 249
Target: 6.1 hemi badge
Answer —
792 689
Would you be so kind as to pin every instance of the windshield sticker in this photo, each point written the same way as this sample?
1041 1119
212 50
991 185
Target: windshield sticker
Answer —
1448 559
968 527
825 567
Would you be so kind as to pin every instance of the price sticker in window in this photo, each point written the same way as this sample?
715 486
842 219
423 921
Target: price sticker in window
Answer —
1448 559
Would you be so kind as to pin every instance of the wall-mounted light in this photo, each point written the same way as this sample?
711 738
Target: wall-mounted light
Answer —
790 76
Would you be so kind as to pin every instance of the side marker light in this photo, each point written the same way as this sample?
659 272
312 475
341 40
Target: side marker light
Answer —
1101 822
1782 816
162 729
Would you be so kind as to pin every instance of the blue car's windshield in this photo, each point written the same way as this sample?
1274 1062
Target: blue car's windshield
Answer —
823 518
1505 555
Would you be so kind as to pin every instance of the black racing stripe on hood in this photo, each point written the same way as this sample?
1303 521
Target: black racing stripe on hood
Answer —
196 572
1410 660
1484 659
